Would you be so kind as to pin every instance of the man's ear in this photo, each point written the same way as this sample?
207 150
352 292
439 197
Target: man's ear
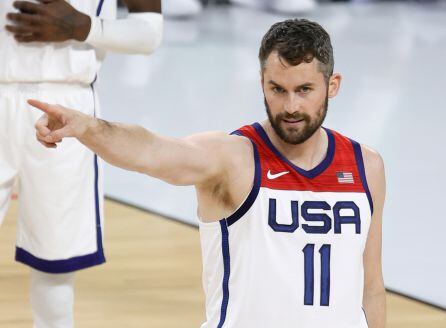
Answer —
334 85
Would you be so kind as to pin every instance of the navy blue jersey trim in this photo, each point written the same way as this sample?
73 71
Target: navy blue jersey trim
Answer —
78 262
226 273
237 132
99 9
308 174
234 217
59 266
100 249
361 169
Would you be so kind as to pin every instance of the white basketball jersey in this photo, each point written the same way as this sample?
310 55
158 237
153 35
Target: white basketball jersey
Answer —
69 61
292 254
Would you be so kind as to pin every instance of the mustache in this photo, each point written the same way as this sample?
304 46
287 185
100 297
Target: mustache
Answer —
294 116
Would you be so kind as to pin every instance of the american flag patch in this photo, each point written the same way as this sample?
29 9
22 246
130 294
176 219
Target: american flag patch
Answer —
345 177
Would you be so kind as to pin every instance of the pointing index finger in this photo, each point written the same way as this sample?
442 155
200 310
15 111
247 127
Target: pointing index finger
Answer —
44 107
53 111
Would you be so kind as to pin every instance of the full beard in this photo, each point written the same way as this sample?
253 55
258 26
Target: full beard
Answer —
297 136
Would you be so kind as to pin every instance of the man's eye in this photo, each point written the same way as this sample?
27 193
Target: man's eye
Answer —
305 89
278 90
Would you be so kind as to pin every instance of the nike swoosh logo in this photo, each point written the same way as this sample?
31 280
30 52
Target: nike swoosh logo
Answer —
275 176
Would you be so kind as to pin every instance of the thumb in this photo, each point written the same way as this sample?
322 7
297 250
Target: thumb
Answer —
42 125
58 135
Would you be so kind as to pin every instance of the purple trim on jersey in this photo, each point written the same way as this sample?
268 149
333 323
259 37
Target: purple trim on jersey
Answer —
100 249
234 217
237 132
361 169
78 262
99 9
308 174
74 263
226 271
59 266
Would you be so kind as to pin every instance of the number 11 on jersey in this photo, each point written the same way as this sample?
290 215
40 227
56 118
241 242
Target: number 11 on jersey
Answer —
324 252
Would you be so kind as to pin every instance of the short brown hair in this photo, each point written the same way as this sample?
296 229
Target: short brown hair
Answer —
298 40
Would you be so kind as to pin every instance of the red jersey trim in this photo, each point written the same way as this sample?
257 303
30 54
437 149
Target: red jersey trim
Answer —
338 172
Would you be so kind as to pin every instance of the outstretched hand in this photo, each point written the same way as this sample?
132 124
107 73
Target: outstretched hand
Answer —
47 21
57 123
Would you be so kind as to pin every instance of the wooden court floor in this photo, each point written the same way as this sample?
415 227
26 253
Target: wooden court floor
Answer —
152 278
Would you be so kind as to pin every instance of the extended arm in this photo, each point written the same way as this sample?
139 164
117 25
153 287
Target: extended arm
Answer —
374 298
140 32
57 21
195 160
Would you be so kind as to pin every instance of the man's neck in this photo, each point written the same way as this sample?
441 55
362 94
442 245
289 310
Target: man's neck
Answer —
306 155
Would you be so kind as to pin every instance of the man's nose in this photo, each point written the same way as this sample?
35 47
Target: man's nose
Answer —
292 104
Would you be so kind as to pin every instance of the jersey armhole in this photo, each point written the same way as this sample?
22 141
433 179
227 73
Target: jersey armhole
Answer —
249 201
237 132
361 170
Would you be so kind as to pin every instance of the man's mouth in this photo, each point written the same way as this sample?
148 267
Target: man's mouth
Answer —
293 121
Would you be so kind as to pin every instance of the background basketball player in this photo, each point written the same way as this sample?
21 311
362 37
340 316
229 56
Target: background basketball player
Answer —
290 212
53 49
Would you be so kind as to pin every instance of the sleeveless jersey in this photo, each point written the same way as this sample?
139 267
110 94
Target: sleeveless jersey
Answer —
70 61
292 254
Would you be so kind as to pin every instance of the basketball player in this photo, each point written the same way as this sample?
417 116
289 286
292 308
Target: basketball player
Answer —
290 211
52 49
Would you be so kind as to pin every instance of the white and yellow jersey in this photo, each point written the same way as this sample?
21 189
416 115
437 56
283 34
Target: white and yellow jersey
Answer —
67 62
292 254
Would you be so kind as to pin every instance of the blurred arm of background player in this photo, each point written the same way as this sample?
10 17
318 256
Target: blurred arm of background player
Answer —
58 21
195 160
374 297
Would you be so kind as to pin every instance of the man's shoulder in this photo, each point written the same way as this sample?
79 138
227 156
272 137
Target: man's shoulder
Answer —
370 156
375 172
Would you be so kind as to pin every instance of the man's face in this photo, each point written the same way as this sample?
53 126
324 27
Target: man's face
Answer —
296 98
